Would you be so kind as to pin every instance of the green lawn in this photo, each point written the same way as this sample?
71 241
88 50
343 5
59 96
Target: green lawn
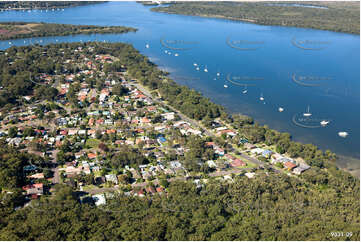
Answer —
93 143
250 165
89 187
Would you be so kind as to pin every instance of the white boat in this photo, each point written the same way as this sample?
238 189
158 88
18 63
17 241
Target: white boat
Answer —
176 54
169 53
342 134
166 51
10 43
307 114
197 68
218 74
280 109
195 64
225 86
147 46
245 90
205 69
324 122
261 97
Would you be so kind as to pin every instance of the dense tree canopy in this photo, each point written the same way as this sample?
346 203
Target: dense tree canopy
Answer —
274 207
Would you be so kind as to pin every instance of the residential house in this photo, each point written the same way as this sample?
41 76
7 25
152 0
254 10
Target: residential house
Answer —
99 199
237 162
289 165
34 189
111 178
301 168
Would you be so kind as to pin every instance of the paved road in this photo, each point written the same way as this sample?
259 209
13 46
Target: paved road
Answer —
195 123
191 121
156 182
228 172
56 178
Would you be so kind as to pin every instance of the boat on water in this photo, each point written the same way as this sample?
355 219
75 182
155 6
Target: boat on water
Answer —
205 69
225 86
280 109
197 68
245 90
147 46
324 122
307 113
218 74
169 53
176 54
342 134
195 64
261 97
166 51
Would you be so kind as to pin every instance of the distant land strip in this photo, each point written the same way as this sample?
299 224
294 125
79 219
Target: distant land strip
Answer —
334 16
20 30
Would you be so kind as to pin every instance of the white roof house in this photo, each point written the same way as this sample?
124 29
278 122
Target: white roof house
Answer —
99 199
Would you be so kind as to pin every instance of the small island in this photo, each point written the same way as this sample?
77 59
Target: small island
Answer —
19 30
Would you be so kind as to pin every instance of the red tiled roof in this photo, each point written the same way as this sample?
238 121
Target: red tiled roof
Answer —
92 156
111 131
237 162
290 165
209 144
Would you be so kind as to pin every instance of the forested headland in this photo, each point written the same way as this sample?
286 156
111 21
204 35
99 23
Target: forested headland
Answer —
19 30
20 5
334 16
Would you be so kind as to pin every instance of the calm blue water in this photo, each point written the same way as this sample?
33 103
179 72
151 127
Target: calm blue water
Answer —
266 66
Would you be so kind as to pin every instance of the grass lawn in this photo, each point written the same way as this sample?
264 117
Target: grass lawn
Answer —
250 165
97 173
89 187
93 143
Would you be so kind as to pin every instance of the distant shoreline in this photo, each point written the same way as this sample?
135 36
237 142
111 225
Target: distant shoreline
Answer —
21 30
39 5
279 16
